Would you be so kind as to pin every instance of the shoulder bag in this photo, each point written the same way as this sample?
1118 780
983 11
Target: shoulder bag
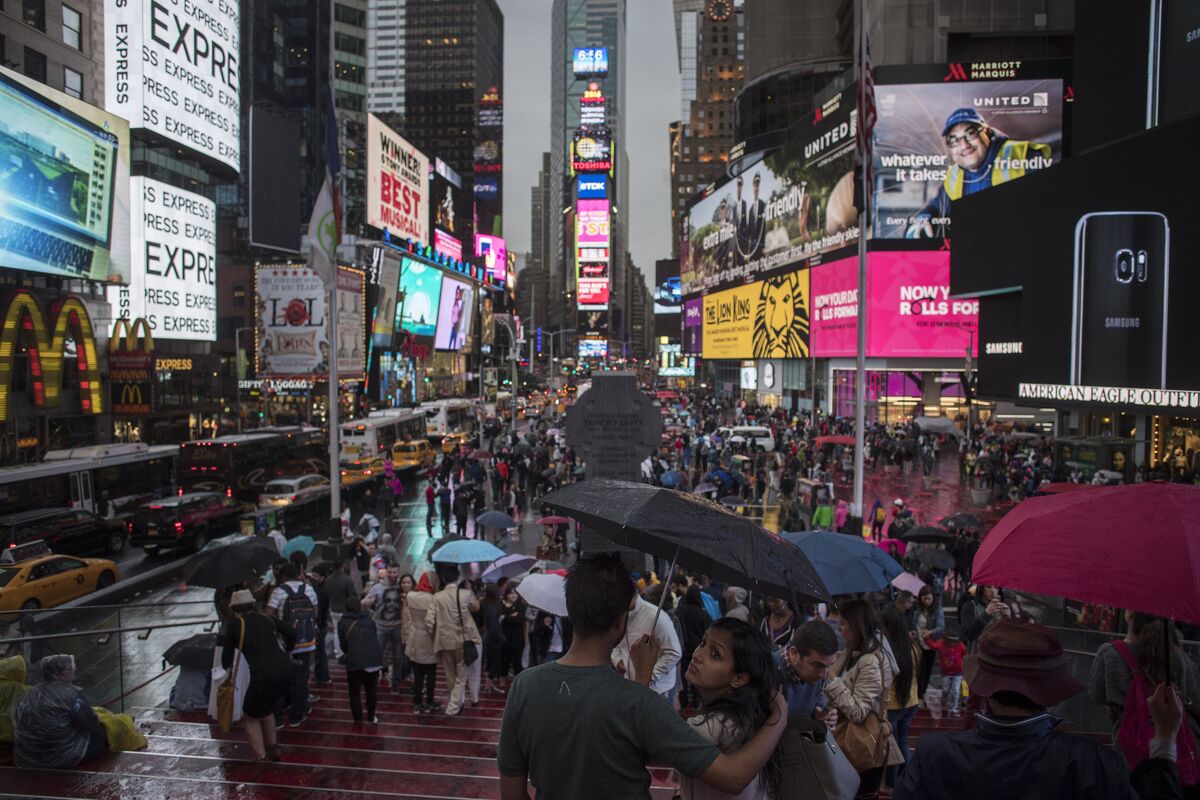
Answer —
470 649
227 691
814 766
865 743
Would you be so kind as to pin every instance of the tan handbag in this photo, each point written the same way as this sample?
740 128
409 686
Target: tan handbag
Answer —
865 744
227 691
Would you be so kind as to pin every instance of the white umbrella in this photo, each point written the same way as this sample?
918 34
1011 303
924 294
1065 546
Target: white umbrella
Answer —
508 567
547 592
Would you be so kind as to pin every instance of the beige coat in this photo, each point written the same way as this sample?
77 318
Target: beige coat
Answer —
418 643
864 687
443 621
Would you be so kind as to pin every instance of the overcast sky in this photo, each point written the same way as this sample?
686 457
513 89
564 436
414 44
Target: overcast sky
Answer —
652 101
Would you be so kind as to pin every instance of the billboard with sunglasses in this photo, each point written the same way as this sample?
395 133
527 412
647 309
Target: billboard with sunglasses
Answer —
947 131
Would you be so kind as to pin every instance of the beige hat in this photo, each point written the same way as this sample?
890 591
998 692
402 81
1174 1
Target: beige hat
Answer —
242 597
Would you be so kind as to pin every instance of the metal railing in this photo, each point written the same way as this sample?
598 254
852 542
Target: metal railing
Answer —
118 649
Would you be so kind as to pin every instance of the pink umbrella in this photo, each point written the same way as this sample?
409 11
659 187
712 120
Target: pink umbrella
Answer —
1135 547
886 546
906 581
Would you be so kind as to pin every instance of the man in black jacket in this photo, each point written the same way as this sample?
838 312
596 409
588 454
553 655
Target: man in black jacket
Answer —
1015 751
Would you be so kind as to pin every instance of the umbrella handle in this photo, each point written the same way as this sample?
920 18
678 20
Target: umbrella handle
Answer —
666 588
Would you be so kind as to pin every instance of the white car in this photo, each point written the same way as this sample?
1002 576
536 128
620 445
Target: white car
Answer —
283 491
761 435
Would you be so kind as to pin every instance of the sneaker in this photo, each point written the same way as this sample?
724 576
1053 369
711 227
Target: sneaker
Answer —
313 699
374 720
298 723
432 708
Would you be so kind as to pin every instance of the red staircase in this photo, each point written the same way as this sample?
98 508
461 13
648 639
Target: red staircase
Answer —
403 756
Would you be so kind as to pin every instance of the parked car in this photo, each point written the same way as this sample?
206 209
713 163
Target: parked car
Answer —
282 491
186 520
412 455
33 577
756 435
363 469
66 531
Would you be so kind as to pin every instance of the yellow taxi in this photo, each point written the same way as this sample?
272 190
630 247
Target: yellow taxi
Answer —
362 470
452 441
33 577
412 455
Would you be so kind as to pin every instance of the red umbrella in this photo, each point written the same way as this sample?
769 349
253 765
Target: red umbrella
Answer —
553 521
1134 547
821 441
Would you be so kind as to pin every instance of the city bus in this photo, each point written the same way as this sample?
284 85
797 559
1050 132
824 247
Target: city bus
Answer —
375 434
241 465
448 416
106 479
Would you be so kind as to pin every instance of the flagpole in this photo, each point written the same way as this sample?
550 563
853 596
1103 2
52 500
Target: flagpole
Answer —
335 473
860 362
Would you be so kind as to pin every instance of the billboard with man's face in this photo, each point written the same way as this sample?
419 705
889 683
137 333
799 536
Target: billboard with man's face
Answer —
795 204
948 131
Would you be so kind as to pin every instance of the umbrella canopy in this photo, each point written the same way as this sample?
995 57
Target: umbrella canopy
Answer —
508 567
230 560
821 441
962 521
705 537
672 478
939 425
446 540
546 565
466 552
547 592
194 652
933 558
1108 546
846 564
927 534
704 488
495 519
907 582
1062 488
332 551
302 544
886 545
553 519
737 439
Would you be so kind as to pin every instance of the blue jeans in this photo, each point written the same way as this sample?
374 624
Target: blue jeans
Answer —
297 697
901 721
951 692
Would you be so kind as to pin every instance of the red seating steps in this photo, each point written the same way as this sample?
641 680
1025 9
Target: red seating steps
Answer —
405 756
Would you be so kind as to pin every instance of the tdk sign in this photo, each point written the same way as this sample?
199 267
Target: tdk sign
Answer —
593 187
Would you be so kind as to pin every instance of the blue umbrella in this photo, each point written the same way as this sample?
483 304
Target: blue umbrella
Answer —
468 551
304 544
495 519
847 564
672 478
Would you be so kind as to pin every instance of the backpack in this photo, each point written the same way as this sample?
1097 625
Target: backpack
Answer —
300 616
1133 737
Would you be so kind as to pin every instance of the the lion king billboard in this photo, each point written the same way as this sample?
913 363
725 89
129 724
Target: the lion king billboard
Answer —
764 319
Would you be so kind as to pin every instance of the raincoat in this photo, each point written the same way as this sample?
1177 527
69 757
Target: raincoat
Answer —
54 725
12 686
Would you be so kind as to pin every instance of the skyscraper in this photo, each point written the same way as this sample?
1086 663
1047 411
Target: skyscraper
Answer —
386 48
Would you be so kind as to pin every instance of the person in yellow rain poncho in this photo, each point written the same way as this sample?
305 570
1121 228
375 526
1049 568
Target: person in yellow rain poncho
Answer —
12 686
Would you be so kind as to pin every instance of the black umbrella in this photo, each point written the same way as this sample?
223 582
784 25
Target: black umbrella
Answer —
927 534
194 652
700 534
332 551
932 558
230 561
962 521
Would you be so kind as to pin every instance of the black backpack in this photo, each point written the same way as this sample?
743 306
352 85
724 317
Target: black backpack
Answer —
299 614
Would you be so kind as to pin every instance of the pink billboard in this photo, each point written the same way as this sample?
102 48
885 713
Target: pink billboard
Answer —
909 309
834 291
494 253
447 245
591 223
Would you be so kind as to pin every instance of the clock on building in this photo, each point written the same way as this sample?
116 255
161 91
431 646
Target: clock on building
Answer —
769 375
720 10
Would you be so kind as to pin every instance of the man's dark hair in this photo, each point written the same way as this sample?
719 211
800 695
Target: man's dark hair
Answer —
299 559
447 574
598 592
1018 700
290 572
815 636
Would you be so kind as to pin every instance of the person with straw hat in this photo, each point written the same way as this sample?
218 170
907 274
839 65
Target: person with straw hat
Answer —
1015 749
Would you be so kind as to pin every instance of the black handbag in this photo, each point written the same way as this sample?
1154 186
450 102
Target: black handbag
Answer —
470 649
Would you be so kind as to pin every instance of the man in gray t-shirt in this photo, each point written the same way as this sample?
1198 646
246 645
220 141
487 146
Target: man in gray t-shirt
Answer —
576 729
386 601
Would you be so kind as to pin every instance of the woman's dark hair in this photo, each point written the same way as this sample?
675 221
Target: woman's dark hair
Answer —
896 629
693 598
408 575
860 618
926 592
598 592
491 594
744 710
1150 649
353 604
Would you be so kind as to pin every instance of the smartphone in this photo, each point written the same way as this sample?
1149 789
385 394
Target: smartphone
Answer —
1119 317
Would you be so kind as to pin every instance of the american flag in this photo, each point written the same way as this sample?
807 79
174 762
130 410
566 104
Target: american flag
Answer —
866 118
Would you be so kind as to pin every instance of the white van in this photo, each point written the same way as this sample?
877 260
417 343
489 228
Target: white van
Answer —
761 435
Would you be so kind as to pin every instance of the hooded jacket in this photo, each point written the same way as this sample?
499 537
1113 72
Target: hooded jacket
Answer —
418 642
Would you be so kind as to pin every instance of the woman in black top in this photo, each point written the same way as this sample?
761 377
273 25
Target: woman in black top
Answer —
512 623
493 637
270 669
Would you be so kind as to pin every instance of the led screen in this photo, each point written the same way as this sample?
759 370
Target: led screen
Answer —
494 255
421 286
457 309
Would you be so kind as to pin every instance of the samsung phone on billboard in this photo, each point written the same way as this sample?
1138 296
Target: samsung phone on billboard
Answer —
948 131
64 184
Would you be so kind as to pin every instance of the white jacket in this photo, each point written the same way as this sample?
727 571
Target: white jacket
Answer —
641 619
